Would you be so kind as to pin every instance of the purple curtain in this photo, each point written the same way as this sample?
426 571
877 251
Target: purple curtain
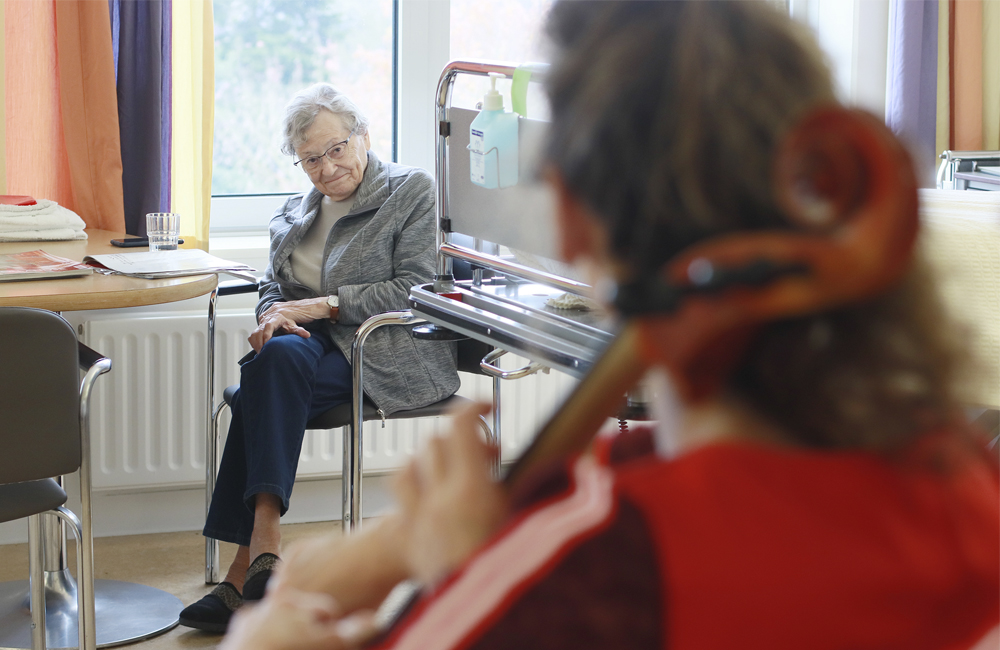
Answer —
911 76
141 44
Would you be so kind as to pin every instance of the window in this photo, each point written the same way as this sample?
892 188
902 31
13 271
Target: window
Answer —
266 51
500 30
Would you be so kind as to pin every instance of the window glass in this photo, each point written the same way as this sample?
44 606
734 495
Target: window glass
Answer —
265 52
500 30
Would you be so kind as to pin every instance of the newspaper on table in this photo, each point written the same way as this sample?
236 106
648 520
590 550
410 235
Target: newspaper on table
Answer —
39 265
157 265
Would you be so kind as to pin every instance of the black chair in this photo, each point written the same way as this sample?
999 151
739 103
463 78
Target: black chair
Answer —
470 356
45 434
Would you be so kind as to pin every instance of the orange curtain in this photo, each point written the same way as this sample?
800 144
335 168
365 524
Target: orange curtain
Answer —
89 103
968 108
35 157
967 69
61 112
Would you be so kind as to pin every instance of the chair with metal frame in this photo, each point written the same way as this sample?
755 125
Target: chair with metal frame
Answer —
46 434
350 418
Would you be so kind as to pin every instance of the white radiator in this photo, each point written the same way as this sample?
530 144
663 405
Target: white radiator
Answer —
149 411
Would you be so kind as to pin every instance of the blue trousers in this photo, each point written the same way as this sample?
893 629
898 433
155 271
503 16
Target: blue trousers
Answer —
290 381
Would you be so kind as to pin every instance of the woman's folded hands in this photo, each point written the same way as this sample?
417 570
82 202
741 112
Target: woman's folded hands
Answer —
288 318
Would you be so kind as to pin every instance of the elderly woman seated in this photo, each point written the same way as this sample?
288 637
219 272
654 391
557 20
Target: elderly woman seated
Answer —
346 250
822 491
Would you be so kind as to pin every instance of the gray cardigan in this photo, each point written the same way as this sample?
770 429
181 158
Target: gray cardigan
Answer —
373 255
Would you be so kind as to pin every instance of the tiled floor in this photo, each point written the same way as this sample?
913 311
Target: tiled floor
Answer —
169 561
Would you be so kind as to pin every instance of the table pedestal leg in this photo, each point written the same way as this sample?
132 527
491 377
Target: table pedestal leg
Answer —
126 612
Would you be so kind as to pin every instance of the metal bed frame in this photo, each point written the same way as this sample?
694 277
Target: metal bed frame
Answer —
520 218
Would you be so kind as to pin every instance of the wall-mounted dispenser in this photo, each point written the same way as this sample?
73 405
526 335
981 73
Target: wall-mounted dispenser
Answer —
493 142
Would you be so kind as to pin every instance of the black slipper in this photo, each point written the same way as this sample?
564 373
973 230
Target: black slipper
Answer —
257 576
212 612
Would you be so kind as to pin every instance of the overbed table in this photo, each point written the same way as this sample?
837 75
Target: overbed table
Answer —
125 612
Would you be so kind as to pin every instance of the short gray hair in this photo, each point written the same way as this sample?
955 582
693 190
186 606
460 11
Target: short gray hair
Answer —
301 112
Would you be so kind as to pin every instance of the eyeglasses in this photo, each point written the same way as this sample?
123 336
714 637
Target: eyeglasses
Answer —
334 153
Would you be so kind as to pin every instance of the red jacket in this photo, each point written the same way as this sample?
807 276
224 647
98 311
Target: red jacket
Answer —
737 546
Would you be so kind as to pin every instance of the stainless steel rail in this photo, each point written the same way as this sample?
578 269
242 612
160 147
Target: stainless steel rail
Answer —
351 471
444 280
211 441
37 587
554 341
86 578
214 414
487 364
511 268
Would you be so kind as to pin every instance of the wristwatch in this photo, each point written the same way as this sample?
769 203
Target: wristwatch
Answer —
333 302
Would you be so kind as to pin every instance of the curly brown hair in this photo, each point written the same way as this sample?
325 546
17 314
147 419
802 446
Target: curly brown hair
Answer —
665 120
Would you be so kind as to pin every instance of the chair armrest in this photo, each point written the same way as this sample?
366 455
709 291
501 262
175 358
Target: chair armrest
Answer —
234 287
95 364
377 321
88 356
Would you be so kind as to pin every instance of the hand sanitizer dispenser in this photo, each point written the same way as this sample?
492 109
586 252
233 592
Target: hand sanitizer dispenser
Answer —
493 142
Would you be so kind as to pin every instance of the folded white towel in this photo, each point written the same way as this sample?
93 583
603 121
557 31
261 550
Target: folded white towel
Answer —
59 234
47 220
41 222
40 206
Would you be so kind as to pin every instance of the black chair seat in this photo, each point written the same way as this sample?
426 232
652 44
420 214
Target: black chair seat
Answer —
19 500
340 416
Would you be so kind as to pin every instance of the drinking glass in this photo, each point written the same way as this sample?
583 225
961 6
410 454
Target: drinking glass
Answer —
163 229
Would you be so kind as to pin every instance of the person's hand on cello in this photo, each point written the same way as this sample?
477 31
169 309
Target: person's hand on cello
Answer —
449 503
449 506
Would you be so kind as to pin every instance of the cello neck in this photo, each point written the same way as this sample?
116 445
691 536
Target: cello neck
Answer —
598 396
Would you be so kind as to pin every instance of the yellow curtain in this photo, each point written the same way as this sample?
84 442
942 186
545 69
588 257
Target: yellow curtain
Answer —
3 99
991 74
193 106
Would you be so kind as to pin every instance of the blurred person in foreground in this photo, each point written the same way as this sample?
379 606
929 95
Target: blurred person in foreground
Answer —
346 250
829 496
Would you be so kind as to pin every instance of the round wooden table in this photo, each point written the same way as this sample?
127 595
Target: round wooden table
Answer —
97 291
125 612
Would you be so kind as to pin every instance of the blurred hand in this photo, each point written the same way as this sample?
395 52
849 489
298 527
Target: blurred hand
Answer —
305 562
450 505
358 570
296 620
287 317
